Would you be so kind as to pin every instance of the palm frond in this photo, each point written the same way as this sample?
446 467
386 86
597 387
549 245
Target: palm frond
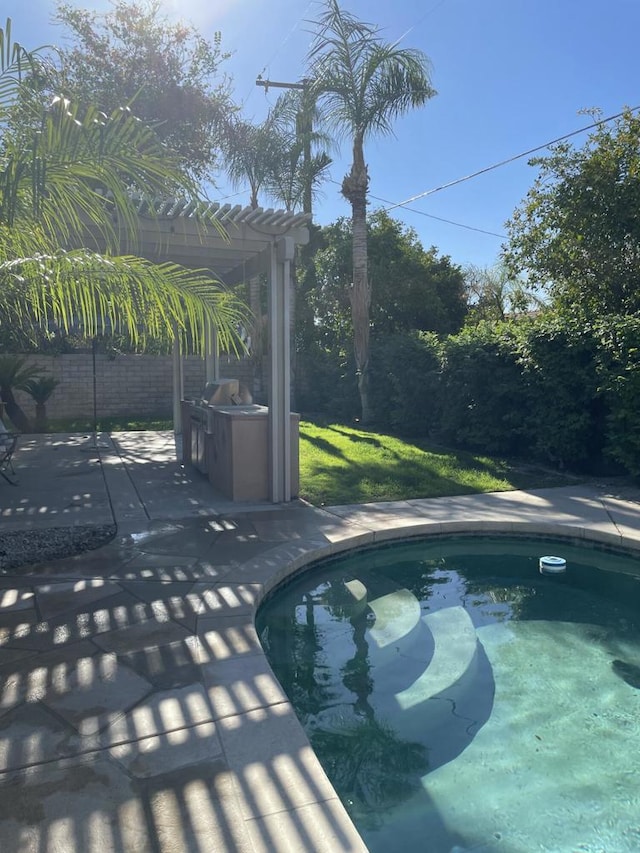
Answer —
15 61
363 82
101 294
76 179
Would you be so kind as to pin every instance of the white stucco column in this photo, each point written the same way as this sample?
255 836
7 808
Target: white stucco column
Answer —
281 255
211 361
178 382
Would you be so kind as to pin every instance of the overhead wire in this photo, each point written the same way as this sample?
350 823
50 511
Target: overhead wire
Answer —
420 20
433 216
404 204
279 48
448 221
526 153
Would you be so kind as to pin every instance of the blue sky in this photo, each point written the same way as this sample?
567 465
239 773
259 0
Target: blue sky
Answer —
510 75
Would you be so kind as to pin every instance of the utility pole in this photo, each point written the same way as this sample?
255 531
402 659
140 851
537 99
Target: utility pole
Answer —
304 130
267 84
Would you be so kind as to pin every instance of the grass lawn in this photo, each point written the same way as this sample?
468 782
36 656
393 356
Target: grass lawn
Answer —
343 465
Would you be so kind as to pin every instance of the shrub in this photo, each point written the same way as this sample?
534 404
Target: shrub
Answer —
404 383
326 384
619 374
482 394
564 410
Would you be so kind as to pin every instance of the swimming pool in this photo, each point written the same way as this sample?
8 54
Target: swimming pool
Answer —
458 699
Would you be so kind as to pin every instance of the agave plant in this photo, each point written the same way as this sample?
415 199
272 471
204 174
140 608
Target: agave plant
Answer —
41 388
15 375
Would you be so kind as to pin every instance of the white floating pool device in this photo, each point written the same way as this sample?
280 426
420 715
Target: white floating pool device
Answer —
552 565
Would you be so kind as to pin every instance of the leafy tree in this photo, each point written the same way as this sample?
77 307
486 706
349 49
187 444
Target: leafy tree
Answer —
578 230
68 192
362 84
411 288
327 298
167 72
494 293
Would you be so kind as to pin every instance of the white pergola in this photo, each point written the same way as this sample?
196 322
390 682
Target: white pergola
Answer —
238 244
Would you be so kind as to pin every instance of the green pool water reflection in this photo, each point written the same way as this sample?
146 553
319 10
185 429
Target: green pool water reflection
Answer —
461 701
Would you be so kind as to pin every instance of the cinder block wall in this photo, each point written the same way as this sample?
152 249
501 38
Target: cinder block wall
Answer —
131 385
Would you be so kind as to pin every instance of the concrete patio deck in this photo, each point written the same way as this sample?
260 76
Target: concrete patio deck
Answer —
137 710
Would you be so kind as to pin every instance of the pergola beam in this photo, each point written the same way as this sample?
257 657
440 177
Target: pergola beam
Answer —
256 242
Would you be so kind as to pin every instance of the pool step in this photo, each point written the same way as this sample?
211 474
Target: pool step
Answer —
397 627
455 650
448 701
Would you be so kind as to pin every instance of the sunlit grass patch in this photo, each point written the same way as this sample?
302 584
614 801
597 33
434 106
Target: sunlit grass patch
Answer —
341 464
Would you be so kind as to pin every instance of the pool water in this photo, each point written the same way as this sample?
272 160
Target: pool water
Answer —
461 701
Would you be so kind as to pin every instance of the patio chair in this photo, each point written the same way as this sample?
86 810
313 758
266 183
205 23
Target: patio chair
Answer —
8 442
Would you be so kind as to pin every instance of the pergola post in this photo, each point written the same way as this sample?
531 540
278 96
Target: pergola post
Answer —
238 244
281 255
178 382
211 360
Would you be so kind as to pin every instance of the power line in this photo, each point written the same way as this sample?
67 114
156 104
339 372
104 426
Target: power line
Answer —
420 20
286 38
403 204
509 160
441 219
279 48
432 216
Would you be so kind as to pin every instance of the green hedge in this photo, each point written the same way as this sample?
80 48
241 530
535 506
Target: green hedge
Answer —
553 389
564 407
405 378
619 374
481 391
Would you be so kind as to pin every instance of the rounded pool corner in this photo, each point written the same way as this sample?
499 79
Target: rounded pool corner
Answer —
361 691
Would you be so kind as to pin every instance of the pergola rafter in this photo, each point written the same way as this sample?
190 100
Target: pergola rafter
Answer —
237 244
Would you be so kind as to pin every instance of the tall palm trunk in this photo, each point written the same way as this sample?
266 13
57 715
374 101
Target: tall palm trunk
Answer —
364 85
354 189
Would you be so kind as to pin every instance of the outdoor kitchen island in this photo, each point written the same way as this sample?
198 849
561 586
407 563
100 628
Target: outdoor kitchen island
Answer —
230 445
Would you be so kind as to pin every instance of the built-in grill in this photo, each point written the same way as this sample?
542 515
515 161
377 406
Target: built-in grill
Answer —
221 392
226 437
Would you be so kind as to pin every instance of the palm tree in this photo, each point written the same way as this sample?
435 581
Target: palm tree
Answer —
71 183
300 161
280 155
40 389
363 84
283 158
496 292
249 151
370 767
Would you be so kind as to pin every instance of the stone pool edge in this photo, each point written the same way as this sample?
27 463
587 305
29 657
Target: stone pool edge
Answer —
583 513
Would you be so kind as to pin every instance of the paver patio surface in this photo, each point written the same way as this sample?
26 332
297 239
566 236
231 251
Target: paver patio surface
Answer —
137 709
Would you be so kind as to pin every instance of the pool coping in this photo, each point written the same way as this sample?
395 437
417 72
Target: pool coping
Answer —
610 521
274 795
